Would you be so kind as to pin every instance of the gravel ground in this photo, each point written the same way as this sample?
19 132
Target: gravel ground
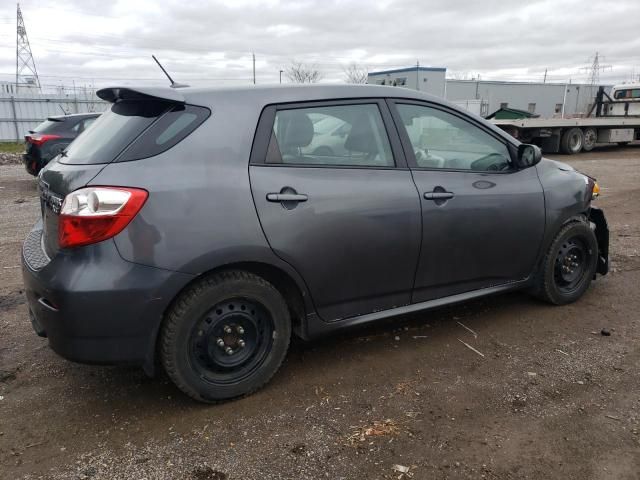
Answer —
551 397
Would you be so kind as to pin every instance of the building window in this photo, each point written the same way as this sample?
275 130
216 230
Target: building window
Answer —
532 108
558 108
504 105
400 81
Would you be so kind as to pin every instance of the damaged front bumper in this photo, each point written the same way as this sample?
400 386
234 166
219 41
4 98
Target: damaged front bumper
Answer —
601 229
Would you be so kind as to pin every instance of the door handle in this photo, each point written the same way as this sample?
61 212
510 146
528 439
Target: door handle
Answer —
286 197
438 195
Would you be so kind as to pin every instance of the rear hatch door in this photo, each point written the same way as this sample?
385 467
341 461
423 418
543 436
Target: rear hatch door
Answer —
92 150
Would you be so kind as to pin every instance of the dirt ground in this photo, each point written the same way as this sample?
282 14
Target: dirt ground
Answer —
550 397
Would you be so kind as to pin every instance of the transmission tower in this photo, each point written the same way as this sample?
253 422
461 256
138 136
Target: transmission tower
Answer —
594 78
26 73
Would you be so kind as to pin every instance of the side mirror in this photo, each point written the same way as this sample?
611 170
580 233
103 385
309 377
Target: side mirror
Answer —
528 155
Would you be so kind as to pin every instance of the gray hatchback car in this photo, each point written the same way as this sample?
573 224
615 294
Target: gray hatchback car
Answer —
193 227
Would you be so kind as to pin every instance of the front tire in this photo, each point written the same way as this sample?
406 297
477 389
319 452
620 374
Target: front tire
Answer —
569 265
225 336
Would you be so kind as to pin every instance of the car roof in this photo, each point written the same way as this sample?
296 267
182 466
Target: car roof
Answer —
259 96
266 93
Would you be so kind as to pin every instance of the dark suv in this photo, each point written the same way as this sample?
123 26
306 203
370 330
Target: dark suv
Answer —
196 228
51 137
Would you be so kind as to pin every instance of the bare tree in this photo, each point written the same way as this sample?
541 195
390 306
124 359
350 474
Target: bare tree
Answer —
458 75
299 72
354 73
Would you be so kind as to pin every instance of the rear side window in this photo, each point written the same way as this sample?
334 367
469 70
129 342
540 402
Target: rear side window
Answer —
166 132
135 124
344 135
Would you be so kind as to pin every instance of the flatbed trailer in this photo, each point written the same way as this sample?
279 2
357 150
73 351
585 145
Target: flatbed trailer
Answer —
615 121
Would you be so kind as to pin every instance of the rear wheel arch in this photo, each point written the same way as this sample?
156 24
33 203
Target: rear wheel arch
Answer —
295 296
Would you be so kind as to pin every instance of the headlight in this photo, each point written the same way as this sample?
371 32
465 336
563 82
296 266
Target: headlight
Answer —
595 193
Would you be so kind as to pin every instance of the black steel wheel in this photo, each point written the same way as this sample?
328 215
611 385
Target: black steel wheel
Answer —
230 341
569 265
225 336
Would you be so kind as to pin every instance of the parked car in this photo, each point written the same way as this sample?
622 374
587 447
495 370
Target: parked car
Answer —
190 227
51 137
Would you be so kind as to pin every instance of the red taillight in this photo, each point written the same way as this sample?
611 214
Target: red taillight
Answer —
93 214
39 139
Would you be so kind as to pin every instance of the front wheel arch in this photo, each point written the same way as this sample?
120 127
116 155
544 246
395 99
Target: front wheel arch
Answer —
545 284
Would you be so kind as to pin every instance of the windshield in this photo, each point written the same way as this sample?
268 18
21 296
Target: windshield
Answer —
113 131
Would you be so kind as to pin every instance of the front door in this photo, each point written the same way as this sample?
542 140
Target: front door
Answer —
333 204
483 220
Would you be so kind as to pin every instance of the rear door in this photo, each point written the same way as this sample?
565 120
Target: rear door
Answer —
483 220
337 202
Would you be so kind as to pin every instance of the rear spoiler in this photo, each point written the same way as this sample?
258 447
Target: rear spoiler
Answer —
113 94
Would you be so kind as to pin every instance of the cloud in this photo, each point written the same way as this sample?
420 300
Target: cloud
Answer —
200 40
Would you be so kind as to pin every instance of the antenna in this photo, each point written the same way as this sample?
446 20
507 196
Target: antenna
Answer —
24 58
173 84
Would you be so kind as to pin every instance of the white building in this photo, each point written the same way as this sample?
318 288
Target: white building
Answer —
426 79
486 96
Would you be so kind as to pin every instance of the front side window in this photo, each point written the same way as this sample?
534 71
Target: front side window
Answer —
344 135
442 140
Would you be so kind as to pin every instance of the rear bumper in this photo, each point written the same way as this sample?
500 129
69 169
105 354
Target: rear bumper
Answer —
95 307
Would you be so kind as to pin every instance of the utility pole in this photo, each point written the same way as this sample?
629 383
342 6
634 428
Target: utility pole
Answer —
24 57
417 74
545 76
281 75
253 55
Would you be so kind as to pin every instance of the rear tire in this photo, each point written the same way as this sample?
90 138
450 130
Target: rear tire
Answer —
572 141
569 265
225 336
590 139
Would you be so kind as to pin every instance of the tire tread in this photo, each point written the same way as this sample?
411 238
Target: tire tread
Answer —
176 315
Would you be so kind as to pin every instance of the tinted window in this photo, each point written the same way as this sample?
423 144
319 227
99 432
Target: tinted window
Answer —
88 122
170 129
49 126
443 140
330 135
627 93
113 131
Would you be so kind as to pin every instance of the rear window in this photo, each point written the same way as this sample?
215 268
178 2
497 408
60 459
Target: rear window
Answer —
121 127
48 126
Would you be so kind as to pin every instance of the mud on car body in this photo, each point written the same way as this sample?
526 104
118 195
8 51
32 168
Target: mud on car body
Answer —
195 228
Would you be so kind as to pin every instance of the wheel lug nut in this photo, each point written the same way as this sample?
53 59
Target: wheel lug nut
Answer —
220 342
227 329
240 330
241 343
229 351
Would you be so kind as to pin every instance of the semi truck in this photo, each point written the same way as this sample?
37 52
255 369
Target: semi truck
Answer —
613 118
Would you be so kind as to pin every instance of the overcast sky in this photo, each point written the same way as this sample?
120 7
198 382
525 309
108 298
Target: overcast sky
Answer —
109 41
